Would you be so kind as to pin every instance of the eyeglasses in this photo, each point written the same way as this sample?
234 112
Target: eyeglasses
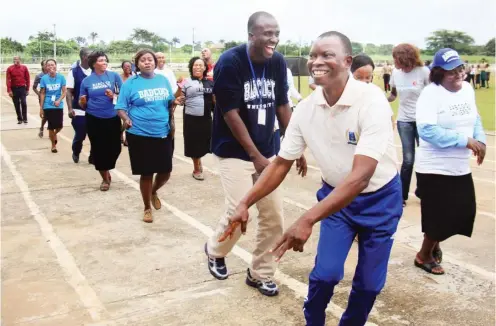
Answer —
458 70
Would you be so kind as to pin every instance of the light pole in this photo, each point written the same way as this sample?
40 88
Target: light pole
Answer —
54 43
299 48
193 48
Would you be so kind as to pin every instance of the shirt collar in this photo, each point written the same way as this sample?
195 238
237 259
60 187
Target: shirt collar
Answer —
348 97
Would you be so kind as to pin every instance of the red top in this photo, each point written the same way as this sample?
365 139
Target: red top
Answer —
210 71
17 76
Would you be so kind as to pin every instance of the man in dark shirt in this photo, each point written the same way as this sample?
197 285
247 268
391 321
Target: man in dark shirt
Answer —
250 86
18 88
36 82
75 76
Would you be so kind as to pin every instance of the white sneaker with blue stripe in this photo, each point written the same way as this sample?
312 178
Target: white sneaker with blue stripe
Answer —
266 287
216 266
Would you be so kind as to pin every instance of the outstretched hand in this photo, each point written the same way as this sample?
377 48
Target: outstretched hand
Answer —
294 238
301 166
239 218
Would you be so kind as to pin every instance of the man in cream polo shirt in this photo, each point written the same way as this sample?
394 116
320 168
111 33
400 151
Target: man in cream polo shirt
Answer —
346 124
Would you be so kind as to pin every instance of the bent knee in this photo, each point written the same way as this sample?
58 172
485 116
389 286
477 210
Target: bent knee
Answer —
327 274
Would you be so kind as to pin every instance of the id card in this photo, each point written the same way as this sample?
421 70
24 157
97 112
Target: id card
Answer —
53 98
114 100
262 116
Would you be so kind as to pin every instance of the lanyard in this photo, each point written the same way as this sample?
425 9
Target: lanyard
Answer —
255 78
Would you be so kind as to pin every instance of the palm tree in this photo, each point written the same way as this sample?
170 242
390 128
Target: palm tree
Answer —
93 37
142 35
176 41
157 40
80 40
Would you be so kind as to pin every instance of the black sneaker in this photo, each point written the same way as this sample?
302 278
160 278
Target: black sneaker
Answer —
26 121
216 266
19 122
266 287
75 158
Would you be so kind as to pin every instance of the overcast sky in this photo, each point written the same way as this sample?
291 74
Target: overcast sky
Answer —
365 21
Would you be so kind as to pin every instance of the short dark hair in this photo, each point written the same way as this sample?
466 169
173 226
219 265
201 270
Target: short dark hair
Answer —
43 64
123 62
436 75
192 63
46 61
82 51
344 40
255 17
93 57
361 60
141 53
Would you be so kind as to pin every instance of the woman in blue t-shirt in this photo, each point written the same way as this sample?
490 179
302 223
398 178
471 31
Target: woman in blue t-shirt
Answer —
52 94
144 104
97 96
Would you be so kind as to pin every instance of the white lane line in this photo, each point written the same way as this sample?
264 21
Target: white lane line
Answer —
66 261
300 288
401 239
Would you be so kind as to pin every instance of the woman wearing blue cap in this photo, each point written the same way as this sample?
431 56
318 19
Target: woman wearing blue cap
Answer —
450 128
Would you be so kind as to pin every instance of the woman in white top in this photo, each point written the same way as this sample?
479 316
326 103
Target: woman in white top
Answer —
407 81
450 129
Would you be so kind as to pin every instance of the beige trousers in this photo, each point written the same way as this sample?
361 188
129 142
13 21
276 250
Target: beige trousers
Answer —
237 179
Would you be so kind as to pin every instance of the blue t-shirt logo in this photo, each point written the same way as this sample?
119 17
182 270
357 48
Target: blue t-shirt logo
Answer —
101 85
155 94
53 87
267 88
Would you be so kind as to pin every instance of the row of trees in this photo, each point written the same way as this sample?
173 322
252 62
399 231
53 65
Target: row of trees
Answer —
41 44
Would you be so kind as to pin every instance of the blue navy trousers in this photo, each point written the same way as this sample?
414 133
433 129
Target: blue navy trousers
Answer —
79 125
374 217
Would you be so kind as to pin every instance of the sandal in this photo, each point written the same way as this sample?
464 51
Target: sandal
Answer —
428 267
156 202
54 150
104 186
148 217
438 255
